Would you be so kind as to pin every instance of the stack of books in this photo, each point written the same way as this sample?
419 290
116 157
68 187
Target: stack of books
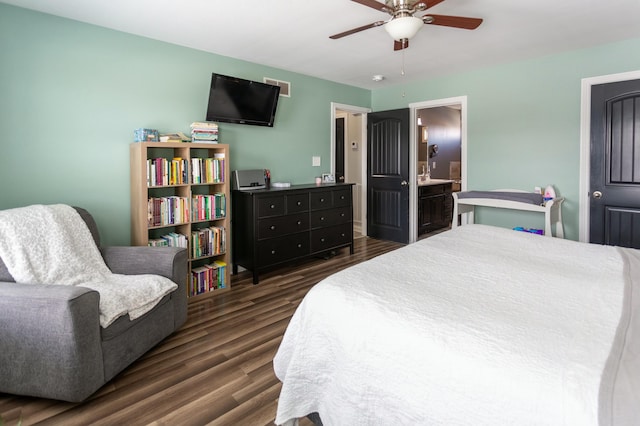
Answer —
204 132
172 239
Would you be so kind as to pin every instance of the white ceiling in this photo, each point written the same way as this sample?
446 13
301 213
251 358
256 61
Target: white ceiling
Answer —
294 34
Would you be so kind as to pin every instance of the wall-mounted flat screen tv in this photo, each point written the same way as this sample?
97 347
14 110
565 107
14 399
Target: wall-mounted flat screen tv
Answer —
236 100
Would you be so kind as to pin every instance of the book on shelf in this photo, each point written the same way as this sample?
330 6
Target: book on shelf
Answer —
207 170
163 172
172 239
171 210
208 206
209 241
207 278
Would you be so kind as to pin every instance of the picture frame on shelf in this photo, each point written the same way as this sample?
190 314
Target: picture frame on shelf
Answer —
328 178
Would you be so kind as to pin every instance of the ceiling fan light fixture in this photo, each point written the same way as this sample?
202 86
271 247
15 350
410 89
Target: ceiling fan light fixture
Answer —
403 27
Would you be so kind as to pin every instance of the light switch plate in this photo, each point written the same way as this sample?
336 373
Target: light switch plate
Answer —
315 161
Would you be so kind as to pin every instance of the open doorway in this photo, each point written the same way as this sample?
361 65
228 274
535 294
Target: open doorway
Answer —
351 122
441 126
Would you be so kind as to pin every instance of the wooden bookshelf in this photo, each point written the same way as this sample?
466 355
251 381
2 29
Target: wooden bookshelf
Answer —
179 192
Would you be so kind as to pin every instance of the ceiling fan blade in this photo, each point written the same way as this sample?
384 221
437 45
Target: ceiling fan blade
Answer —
374 4
400 44
452 21
356 30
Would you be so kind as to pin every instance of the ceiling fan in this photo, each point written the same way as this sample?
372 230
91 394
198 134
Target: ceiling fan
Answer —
403 25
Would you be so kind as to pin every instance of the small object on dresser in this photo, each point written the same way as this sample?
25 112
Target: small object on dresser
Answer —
281 184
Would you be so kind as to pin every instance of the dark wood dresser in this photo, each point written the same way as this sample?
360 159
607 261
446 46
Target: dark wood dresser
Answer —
277 225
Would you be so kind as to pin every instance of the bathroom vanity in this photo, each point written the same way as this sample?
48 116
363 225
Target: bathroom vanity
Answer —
435 204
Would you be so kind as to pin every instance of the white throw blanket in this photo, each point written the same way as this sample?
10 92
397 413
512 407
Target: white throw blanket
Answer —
51 244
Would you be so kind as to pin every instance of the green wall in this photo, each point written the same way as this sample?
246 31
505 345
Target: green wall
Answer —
523 122
71 95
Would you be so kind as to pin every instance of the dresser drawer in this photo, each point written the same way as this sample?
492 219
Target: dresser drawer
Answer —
271 206
342 197
280 249
278 226
321 200
331 237
297 203
330 217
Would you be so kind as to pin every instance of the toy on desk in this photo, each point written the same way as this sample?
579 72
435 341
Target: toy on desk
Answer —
549 193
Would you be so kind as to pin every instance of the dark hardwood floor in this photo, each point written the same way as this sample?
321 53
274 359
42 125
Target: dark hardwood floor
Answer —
217 369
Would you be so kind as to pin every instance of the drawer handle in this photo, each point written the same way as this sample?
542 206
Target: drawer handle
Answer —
273 206
322 200
322 240
299 203
321 218
341 214
273 252
342 235
299 222
272 227
342 197
299 245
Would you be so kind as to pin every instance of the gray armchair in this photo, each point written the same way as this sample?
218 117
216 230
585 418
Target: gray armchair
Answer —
52 345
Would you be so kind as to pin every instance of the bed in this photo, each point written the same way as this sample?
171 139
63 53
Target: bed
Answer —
477 325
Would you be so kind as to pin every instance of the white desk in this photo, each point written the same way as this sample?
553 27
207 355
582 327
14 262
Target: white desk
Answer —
552 210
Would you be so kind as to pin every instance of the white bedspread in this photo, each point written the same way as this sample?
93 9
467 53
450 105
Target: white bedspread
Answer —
457 330
51 244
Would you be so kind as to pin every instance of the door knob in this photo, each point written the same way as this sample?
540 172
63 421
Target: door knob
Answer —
597 195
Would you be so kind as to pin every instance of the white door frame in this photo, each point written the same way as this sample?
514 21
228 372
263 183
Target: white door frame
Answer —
413 154
585 143
332 150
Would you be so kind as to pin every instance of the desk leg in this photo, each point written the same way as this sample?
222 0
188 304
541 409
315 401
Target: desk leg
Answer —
547 225
559 225
454 219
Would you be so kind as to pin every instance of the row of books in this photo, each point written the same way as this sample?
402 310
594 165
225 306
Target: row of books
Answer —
208 206
204 242
204 132
208 170
208 242
174 210
163 172
207 278
172 239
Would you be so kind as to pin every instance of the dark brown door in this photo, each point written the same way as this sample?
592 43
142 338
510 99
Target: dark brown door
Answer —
388 175
339 154
615 164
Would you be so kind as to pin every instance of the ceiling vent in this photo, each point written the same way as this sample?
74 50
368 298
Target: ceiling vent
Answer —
285 86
